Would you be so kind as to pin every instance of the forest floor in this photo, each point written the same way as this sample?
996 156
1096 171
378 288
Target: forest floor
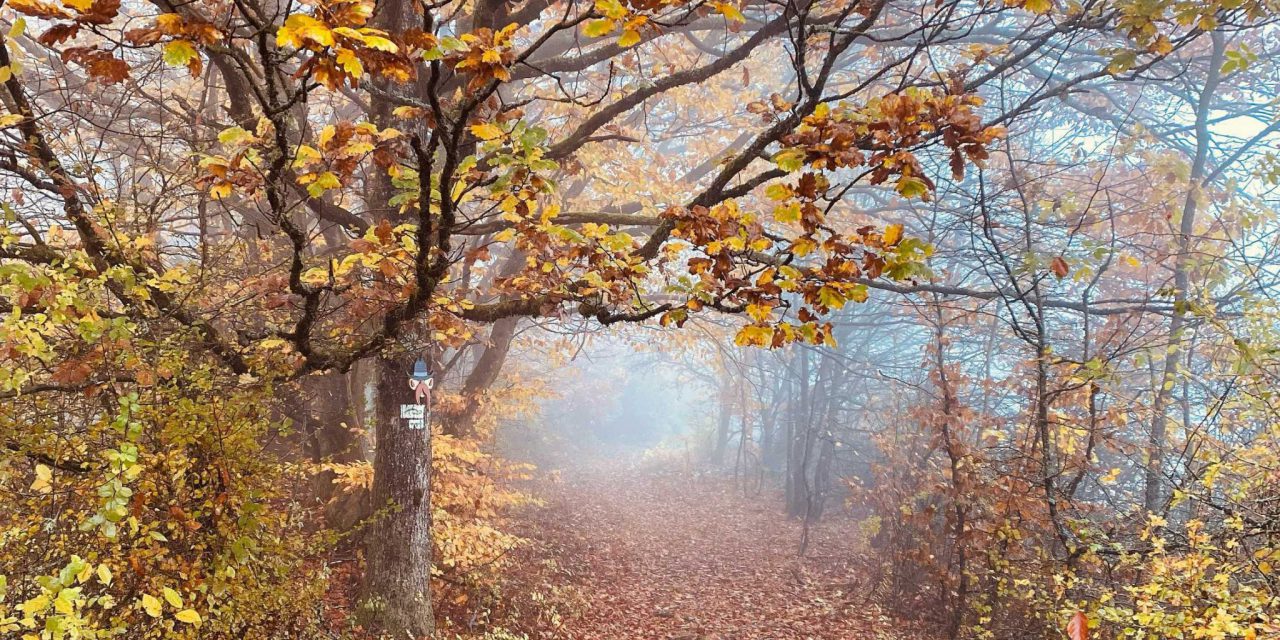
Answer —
652 554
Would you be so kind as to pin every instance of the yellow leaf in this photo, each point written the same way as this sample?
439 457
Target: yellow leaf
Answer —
789 212
486 131
85 573
611 9
597 28
236 135
380 43
172 598
830 297
322 183
789 159
104 574
78 5
300 28
44 479
803 246
152 605
752 335
305 156
777 191
629 38
730 11
892 234
1162 45
347 59
326 134
759 312
406 112
35 605
188 616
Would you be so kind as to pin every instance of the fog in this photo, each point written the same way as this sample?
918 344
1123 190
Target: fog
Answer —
618 394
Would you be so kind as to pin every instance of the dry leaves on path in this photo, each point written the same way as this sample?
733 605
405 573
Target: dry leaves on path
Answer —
682 557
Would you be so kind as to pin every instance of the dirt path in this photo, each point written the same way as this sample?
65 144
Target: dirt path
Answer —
671 556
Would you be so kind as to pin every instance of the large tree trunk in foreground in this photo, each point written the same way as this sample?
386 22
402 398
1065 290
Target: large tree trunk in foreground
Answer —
397 589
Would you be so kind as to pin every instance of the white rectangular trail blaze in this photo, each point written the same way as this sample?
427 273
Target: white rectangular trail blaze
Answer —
416 414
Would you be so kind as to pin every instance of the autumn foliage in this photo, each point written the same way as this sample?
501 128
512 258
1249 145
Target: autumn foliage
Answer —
232 228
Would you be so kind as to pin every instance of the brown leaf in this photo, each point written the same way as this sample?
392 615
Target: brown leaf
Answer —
58 34
1059 267
1078 628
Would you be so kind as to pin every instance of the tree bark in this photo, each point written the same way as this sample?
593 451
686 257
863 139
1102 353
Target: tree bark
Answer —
397 589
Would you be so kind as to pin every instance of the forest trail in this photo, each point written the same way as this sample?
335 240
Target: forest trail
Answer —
674 556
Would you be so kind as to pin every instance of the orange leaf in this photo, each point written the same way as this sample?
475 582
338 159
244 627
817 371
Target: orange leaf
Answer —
1078 628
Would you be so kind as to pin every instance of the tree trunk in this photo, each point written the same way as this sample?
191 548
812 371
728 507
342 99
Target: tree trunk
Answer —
1153 494
801 444
485 372
722 425
822 479
397 589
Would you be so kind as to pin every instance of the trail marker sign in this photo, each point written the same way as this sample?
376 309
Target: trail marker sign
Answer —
416 414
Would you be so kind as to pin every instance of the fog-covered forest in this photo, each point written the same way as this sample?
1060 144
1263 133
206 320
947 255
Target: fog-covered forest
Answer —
614 319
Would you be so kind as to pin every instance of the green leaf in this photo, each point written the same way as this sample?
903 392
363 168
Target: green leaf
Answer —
789 212
910 187
450 44
777 191
1122 62
789 159
179 53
